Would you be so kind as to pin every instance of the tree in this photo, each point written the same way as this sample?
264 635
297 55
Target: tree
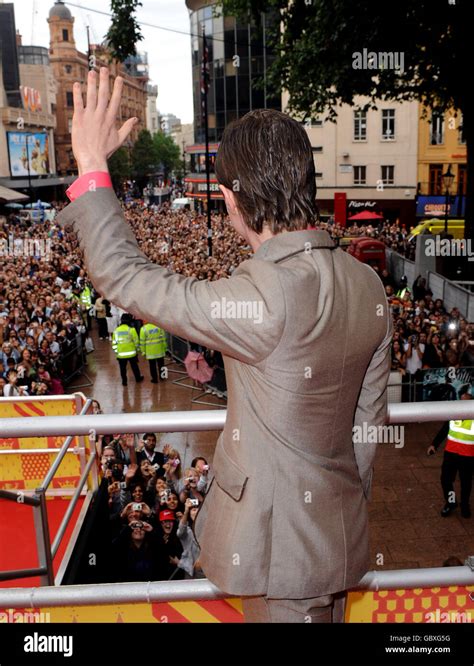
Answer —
144 157
167 152
119 166
124 33
319 39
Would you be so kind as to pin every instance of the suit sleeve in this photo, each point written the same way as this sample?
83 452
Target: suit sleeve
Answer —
372 406
181 305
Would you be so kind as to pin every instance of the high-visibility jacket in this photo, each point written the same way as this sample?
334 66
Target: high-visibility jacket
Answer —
86 298
404 291
152 341
125 341
461 437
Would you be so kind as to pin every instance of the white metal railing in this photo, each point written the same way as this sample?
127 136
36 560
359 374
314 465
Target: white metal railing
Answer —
46 550
92 424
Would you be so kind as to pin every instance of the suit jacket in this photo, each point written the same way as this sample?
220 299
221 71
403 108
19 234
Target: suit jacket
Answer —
304 330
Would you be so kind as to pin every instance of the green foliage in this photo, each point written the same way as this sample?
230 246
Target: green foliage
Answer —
124 33
119 166
167 152
144 158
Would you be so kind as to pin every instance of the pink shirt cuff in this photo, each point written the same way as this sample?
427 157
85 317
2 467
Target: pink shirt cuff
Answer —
89 182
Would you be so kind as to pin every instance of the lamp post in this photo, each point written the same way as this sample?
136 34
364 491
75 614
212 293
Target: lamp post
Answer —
448 179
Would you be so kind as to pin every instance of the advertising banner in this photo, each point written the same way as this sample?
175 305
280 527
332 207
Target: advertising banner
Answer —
28 153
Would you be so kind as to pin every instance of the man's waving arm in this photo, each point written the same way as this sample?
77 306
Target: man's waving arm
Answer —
215 314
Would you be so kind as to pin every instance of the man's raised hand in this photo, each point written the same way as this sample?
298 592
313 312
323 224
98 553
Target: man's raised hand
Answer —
95 136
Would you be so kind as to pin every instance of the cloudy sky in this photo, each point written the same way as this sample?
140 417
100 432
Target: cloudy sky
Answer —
169 53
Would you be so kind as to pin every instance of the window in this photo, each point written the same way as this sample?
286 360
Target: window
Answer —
461 137
388 124
360 175
65 35
437 129
68 69
436 179
317 149
69 125
319 174
360 125
69 99
388 174
312 122
462 180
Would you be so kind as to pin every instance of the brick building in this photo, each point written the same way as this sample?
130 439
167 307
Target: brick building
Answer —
70 65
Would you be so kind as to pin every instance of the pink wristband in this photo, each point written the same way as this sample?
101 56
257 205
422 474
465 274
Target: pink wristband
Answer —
89 182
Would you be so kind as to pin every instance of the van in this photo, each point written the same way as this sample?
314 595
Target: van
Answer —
436 226
179 204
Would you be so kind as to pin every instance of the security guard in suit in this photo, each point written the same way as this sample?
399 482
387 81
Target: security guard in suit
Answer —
153 348
126 345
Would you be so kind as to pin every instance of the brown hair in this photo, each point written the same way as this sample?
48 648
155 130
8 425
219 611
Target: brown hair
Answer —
265 158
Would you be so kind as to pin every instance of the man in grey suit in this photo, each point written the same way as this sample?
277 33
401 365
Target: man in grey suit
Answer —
305 333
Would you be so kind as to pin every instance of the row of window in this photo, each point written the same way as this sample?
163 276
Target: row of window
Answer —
437 127
387 174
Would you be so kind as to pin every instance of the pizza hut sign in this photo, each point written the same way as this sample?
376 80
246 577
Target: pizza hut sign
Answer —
361 204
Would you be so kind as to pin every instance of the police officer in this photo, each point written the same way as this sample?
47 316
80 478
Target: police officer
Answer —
458 457
404 291
125 345
86 304
153 348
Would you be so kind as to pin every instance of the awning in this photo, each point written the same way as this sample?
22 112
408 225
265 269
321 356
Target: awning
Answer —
7 195
37 183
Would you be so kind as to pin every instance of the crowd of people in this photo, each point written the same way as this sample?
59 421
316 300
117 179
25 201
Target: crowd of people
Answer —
44 307
426 335
152 503
46 302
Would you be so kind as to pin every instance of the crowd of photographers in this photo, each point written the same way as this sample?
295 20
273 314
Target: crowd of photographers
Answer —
152 505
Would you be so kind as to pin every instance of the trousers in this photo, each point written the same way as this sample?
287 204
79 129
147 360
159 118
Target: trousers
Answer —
154 372
123 368
452 464
327 609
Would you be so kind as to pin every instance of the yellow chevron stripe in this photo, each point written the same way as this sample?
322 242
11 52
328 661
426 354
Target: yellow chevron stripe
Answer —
193 611
236 604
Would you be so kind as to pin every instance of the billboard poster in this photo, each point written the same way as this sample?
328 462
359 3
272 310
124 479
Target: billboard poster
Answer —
35 153
446 383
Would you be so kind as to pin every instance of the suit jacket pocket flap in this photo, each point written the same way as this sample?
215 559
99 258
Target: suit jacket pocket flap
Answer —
229 477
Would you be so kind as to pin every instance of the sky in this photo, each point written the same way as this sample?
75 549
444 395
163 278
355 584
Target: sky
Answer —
169 53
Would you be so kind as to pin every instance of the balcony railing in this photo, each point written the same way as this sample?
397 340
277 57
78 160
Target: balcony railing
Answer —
188 589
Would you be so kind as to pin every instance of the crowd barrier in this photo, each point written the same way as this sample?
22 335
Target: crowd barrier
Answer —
432 384
178 348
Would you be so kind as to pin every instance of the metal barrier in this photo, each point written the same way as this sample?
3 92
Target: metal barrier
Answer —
202 589
46 550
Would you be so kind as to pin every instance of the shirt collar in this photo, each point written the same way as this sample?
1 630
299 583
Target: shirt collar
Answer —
286 244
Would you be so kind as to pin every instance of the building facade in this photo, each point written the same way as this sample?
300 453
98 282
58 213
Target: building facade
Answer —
238 57
152 118
169 123
441 145
70 65
367 158
27 112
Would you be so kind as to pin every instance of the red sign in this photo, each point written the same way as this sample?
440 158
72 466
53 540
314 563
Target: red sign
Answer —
340 208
